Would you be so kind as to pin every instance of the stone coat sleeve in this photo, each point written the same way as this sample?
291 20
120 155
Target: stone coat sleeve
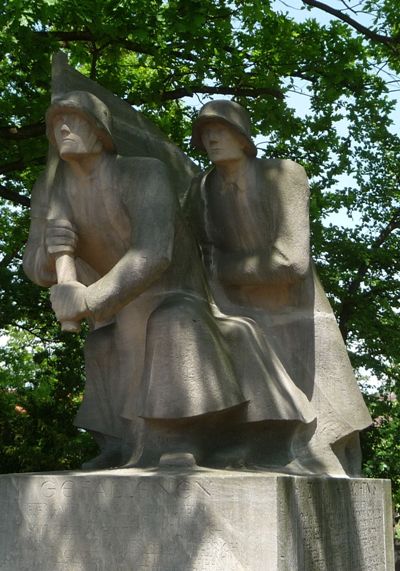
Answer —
286 258
38 265
151 207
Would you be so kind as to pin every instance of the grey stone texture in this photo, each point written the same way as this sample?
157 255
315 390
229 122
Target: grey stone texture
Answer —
193 520
133 134
154 356
251 219
231 359
230 354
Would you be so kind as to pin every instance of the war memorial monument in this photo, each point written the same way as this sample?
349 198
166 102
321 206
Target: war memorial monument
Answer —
218 387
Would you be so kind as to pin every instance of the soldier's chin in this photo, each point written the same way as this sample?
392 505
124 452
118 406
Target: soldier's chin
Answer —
71 155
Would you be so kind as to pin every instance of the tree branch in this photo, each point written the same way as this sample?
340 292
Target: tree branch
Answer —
25 132
93 63
21 164
14 197
34 333
177 50
348 307
374 36
76 36
208 89
8 258
86 36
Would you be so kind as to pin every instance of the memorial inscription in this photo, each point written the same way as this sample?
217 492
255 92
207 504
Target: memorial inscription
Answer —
334 523
113 509
198 521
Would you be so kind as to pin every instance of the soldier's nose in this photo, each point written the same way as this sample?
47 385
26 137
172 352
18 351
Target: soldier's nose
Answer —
65 130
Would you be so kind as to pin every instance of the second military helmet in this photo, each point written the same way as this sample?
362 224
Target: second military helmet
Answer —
229 112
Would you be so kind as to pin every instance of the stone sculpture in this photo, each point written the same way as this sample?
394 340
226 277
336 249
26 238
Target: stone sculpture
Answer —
112 238
251 219
219 360
109 240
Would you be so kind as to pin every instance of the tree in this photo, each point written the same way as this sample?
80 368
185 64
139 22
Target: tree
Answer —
166 57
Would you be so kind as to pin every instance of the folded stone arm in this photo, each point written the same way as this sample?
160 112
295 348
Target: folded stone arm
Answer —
259 268
286 260
151 208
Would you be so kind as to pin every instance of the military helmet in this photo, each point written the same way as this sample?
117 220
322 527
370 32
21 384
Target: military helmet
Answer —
88 105
229 112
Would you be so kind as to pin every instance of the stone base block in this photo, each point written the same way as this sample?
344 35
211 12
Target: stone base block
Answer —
193 520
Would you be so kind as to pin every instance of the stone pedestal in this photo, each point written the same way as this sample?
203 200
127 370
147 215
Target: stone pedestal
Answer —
194 520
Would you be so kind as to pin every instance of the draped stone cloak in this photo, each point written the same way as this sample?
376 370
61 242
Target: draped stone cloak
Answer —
255 244
128 223
155 349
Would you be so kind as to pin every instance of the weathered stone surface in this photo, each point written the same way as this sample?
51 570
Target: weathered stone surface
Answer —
108 237
133 133
251 219
232 356
334 524
193 520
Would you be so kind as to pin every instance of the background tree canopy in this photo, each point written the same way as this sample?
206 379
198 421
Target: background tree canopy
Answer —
165 58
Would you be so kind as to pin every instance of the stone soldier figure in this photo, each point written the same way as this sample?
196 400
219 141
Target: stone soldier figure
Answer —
154 357
107 235
251 219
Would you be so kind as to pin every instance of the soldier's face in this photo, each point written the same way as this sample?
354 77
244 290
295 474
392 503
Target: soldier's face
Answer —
74 136
222 143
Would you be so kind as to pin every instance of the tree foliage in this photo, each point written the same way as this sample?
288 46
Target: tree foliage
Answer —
165 57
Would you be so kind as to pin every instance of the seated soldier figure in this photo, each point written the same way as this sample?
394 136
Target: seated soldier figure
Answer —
156 365
160 377
251 219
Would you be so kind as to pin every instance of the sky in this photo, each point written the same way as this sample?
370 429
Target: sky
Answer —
299 102
296 10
